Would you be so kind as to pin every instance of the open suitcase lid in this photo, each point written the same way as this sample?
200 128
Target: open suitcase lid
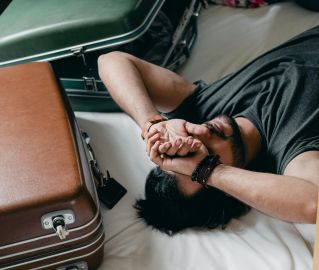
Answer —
51 29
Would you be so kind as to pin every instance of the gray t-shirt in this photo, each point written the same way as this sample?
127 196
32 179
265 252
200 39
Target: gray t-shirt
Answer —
278 92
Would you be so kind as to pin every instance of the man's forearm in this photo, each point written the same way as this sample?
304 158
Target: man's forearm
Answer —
125 84
286 197
140 88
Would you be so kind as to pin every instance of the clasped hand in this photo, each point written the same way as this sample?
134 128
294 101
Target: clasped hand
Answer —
170 146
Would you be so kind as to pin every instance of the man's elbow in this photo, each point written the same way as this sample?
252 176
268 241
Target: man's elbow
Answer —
106 60
310 212
113 62
112 57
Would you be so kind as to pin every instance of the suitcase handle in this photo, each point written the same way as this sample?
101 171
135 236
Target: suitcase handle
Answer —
99 178
108 189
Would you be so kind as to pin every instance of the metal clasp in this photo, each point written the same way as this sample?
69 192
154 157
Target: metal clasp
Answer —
99 177
79 52
60 227
58 221
90 84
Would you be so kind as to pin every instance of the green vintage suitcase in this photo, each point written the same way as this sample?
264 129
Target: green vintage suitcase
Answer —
72 34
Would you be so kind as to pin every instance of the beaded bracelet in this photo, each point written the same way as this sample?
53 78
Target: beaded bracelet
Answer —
205 168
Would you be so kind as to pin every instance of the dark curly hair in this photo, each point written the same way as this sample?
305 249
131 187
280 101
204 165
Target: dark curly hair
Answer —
167 209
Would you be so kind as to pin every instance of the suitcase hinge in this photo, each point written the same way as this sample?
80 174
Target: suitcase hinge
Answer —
90 84
189 12
79 52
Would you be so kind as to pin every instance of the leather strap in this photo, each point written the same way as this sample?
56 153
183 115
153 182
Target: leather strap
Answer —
204 169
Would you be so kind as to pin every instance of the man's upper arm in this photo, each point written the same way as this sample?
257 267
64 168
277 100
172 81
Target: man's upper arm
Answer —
305 166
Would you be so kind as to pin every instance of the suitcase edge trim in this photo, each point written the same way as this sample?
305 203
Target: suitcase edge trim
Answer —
97 240
100 224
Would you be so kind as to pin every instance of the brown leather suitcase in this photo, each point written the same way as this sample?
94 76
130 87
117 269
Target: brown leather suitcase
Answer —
49 210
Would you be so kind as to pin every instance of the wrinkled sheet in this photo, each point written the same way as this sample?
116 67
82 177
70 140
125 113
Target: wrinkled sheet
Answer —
228 38
255 241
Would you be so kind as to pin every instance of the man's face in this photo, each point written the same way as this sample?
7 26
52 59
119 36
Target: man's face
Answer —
222 137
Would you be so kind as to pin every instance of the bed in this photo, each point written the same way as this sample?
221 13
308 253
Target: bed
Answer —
228 38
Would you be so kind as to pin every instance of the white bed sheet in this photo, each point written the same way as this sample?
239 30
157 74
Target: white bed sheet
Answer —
255 241
228 38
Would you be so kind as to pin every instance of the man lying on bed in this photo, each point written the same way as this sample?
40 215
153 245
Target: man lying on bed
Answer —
264 117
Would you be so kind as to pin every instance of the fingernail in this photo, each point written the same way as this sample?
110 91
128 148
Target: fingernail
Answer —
178 142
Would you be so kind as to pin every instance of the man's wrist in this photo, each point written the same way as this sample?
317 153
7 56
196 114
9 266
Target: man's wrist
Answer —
205 168
215 176
157 118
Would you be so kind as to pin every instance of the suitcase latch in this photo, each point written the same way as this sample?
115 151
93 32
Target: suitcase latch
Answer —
59 226
90 84
58 221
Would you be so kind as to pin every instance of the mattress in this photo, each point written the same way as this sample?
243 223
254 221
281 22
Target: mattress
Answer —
228 39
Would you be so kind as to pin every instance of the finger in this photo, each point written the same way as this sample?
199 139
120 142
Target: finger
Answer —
154 154
163 148
175 146
151 141
160 131
186 147
195 146
150 134
202 151
196 130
